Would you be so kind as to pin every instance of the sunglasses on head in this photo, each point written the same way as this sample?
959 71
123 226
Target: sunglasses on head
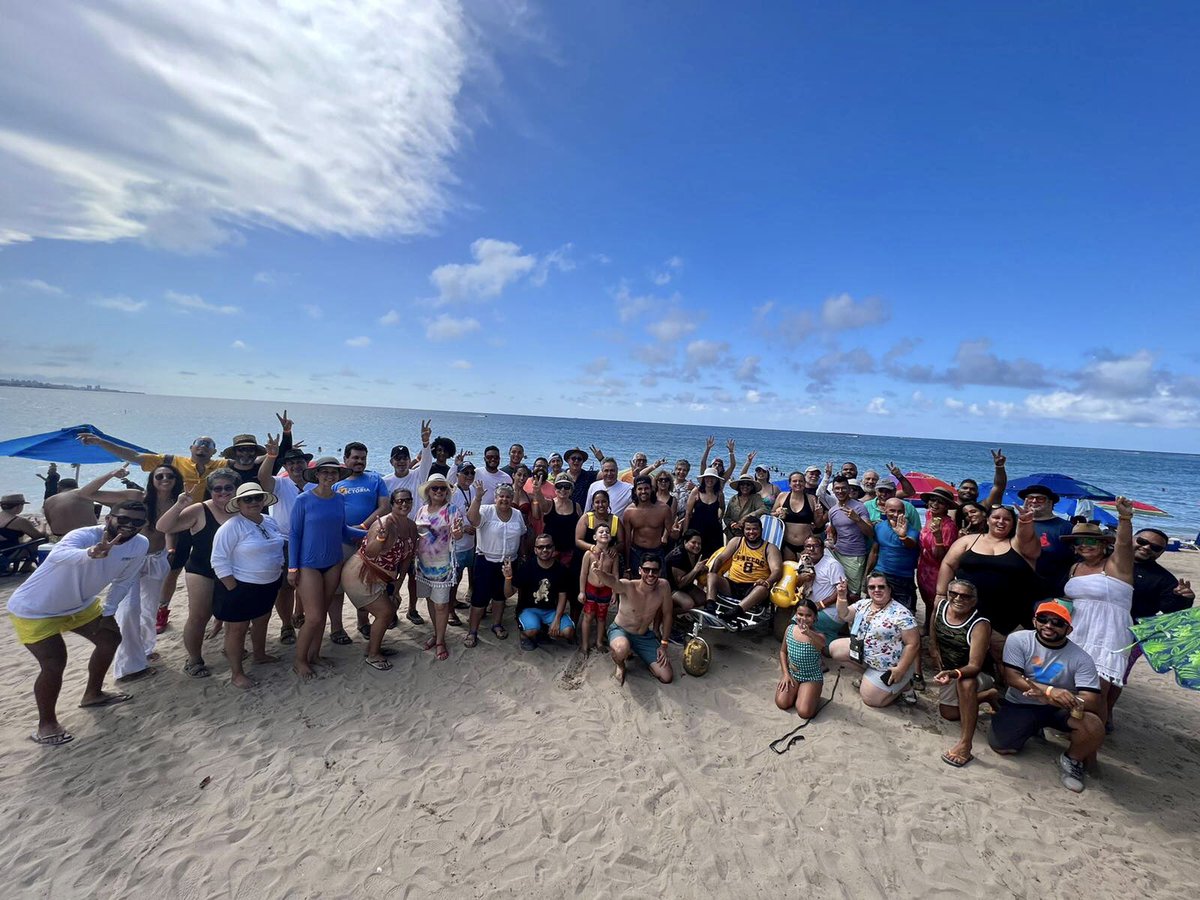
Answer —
1047 619
129 520
1157 548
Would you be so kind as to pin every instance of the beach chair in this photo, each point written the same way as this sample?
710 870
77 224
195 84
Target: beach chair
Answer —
12 558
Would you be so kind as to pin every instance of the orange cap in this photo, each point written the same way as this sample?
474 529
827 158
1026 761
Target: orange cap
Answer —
1055 608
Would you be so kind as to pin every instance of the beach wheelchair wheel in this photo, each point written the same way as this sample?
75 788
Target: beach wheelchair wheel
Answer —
697 656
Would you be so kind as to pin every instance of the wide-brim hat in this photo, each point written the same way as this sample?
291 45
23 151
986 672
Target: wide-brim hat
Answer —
441 441
746 479
310 474
710 472
1038 489
250 489
295 454
858 489
13 499
939 493
1088 530
434 479
569 453
243 440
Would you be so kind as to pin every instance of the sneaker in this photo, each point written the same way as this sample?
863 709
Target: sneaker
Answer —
1072 773
160 623
528 644
415 617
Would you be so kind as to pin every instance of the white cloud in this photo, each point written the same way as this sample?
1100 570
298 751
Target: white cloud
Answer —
703 353
953 403
670 269
753 397
763 310
878 407
597 366
36 284
360 341
197 118
189 302
674 325
843 312
391 317
120 304
748 370
559 259
460 364
314 311
1121 376
497 264
446 328
240 345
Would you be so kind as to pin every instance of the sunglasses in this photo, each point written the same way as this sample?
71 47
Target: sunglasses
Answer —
252 498
128 520
1090 542
960 595
164 476
211 445
651 570
544 547
877 587
407 500
562 487
1047 619
440 488
577 459
222 489
1157 548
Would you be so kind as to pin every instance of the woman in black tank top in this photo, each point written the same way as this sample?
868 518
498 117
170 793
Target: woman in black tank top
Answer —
798 524
201 520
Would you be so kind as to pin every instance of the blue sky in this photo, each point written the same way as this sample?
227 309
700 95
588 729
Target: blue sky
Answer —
935 219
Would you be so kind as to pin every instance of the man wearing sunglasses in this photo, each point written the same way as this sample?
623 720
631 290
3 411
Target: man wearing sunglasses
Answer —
1052 683
644 603
63 595
193 468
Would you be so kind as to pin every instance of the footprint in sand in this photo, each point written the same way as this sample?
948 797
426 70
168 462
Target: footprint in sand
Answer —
572 675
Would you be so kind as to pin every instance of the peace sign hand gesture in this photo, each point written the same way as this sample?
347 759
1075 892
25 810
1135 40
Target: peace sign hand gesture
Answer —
998 458
1024 515
426 431
272 445
284 422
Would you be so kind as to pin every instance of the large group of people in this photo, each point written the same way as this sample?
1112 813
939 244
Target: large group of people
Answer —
1026 614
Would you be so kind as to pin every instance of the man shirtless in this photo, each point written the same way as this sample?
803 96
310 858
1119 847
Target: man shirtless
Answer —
643 602
68 509
647 524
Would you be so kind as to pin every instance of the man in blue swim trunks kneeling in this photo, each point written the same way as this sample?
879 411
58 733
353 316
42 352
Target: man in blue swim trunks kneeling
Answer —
644 603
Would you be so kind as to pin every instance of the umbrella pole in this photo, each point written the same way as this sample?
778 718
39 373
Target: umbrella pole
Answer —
77 473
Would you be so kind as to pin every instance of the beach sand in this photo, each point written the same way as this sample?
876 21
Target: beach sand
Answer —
503 773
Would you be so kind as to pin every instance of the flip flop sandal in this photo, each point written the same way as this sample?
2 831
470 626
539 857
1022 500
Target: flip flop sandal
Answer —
957 763
287 634
444 653
52 740
196 670
139 675
106 700
455 621
471 639
430 644
298 621
500 631
381 664
340 637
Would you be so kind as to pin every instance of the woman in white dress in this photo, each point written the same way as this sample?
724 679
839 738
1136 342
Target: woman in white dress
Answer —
1101 591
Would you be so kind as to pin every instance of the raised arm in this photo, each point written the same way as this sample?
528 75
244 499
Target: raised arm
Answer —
92 490
709 443
94 440
999 479
1122 555
904 487
179 516
1026 540
473 509
270 462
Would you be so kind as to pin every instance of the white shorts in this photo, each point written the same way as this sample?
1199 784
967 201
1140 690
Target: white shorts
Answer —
876 678
438 594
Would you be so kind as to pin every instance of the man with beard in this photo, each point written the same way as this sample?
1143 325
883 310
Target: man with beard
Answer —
63 595
647 524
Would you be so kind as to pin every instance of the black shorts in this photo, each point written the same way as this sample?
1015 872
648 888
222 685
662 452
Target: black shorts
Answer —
739 590
904 590
1016 723
488 582
245 602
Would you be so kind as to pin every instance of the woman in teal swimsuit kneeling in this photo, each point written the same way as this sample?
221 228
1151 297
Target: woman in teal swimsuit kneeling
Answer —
800 664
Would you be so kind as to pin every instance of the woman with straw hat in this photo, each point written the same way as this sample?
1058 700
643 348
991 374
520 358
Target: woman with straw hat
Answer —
438 527
247 558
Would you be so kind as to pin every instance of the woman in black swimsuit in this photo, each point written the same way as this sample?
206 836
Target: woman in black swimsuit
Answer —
559 517
704 507
15 528
201 520
801 516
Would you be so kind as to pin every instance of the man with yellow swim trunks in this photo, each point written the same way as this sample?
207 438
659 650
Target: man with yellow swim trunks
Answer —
754 566
63 595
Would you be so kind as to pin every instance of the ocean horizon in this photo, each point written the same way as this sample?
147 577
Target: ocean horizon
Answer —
167 423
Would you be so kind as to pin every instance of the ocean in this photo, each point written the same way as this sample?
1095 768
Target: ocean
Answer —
168 424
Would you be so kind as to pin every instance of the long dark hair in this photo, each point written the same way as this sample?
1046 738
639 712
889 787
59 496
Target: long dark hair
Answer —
151 495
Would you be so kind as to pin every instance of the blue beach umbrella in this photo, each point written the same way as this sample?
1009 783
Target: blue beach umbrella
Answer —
1065 486
63 446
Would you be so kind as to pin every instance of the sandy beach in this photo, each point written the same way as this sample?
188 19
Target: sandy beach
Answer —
504 773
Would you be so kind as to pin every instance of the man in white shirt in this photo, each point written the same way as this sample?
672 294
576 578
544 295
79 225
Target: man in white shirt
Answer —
620 493
62 595
492 475
827 572
404 476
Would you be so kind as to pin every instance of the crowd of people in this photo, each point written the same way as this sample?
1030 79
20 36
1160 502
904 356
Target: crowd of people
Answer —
1025 614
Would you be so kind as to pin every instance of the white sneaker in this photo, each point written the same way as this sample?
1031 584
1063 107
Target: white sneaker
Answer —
1072 773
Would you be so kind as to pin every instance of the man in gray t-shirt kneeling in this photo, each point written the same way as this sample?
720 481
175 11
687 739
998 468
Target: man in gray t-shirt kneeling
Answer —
1051 683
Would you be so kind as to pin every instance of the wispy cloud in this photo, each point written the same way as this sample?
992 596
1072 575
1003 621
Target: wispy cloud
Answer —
361 341
391 317
445 328
120 304
37 285
843 312
240 345
193 302
197 118
497 264
313 311
460 364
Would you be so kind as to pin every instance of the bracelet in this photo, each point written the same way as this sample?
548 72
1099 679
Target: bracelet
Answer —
665 643
958 674
1048 690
